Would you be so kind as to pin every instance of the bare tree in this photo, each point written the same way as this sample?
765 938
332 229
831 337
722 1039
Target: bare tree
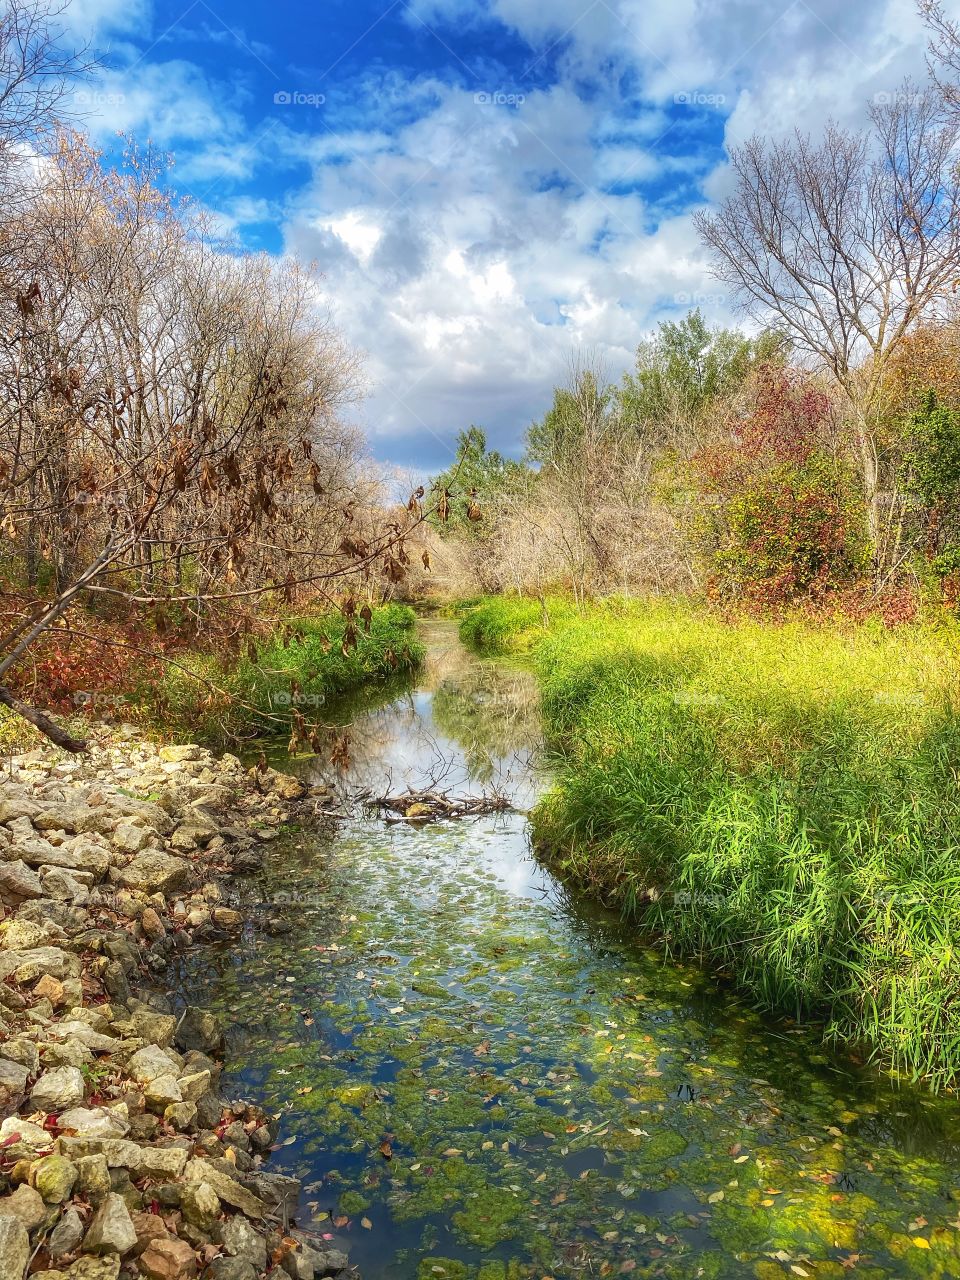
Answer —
847 243
170 421
944 50
36 70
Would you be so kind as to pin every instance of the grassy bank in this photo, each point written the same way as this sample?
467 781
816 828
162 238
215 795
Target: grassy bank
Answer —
782 801
301 669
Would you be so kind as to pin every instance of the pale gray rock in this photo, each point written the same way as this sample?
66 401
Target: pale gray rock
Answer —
57 1090
111 1230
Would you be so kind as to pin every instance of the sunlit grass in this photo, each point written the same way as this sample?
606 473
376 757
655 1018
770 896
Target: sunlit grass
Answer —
301 671
781 800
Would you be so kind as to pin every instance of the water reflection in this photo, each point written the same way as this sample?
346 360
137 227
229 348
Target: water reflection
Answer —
557 1100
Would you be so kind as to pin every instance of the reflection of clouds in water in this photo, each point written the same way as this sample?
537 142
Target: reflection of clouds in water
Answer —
469 726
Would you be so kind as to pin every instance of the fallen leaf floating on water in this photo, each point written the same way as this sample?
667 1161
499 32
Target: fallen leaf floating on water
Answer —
386 1149
366 1224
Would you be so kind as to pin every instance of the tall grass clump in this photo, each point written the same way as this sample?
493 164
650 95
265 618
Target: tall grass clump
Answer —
510 624
300 669
781 801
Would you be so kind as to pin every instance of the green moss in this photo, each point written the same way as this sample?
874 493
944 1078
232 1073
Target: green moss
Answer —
489 1217
353 1203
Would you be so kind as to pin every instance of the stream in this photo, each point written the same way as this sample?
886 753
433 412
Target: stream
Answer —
481 1077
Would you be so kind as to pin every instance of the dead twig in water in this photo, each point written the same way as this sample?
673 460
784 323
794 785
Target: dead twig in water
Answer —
423 806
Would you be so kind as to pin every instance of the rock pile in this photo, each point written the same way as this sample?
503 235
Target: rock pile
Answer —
118 1154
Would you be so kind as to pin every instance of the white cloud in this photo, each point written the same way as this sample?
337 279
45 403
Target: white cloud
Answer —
467 246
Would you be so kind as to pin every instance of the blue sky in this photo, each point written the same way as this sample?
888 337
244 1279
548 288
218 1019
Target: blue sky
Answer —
486 187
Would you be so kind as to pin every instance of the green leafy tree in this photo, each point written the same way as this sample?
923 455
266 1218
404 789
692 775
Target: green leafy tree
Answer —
686 366
932 466
580 412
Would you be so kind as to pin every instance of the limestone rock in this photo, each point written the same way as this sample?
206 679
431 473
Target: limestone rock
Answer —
151 1062
111 1230
200 1030
84 1034
93 1177
158 1162
155 872
130 837
61 885
152 925
54 1177
50 988
65 817
57 1090
13 1081
88 1268
67 1234
26 1204
228 1189
194 1086
16 1132
181 1115
200 1204
239 1239
179 754
149 1227
287 787
154 1028
95 1122
168 1260
231 1269
25 966
18 882
17 804
14 1246
161 1092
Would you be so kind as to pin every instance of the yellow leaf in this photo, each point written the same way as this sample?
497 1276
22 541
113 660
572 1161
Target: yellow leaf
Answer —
921 1243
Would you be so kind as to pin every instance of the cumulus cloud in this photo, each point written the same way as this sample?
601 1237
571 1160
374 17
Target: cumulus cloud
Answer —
475 221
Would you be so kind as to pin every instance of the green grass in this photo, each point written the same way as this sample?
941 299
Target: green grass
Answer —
509 624
244 697
303 674
782 801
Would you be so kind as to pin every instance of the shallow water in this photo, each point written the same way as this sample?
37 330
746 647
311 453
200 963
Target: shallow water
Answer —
481 1077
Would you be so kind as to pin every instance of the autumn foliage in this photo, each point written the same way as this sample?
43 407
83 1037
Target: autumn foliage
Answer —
779 518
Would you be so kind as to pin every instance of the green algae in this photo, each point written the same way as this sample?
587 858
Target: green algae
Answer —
505 1087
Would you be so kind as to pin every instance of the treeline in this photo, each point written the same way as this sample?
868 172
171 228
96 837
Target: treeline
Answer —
175 463
815 458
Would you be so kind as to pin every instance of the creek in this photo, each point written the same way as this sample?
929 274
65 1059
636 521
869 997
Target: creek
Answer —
481 1076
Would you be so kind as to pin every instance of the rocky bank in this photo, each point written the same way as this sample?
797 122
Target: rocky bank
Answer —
118 1154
